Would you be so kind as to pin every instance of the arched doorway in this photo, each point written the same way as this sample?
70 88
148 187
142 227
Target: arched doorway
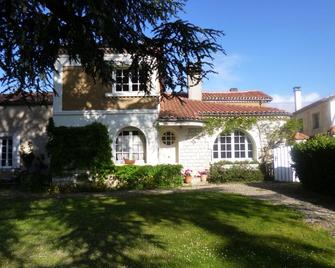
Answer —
130 145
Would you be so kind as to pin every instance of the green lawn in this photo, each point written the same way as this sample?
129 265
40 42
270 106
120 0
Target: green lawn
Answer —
194 229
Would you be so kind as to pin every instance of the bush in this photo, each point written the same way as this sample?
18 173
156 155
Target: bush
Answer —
148 177
238 172
314 163
80 148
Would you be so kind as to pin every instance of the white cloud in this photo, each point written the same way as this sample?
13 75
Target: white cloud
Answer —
286 102
310 97
226 76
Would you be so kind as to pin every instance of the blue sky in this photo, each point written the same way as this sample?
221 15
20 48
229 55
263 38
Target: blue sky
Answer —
272 45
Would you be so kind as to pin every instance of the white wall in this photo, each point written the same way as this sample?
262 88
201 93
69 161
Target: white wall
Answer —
115 121
195 148
23 124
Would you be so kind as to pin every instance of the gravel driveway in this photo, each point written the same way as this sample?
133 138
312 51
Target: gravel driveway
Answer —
318 210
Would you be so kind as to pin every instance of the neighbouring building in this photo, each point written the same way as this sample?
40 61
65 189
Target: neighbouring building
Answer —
318 117
150 130
22 120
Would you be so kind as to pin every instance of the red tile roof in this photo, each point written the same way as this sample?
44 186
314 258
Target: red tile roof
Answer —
184 108
250 95
29 99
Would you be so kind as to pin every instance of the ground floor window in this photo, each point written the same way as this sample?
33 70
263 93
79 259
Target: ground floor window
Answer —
130 145
236 145
6 151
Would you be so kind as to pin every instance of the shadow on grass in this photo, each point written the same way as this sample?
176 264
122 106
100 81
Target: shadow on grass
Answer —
115 231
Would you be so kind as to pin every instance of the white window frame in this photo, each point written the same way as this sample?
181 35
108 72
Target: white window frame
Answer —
131 149
172 138
130 92
7 137
247 141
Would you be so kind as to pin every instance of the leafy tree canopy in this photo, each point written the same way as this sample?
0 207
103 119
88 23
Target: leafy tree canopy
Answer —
32 33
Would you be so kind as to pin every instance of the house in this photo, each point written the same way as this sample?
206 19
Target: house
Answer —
22 120
318 117
150 130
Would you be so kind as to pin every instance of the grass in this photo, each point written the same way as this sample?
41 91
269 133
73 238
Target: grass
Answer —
193 229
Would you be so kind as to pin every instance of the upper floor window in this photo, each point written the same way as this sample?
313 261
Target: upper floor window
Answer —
316 120
127 81
236 145
6 151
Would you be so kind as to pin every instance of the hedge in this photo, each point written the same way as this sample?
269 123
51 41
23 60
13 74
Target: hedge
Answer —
148 177
220 172
314 162
84 148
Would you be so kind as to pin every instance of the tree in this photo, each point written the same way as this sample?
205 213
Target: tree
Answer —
32 33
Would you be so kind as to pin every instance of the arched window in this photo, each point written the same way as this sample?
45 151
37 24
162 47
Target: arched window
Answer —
130 145
232 146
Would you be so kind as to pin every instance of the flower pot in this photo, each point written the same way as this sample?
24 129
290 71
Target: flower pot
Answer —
187 178
203 177
129 162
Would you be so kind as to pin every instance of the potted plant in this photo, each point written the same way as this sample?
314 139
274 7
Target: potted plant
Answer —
203 175
128 161
187 175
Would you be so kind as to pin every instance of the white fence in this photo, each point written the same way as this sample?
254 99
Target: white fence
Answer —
282 165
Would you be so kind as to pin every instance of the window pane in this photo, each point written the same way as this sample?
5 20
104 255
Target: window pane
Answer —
215 155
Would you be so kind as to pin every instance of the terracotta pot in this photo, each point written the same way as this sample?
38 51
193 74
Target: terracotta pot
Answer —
129 162
203 177
187 178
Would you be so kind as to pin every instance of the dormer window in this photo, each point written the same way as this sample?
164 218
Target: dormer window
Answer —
128 83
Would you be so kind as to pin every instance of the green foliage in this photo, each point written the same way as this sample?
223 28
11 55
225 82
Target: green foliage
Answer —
80 149
228 124
314 162
220 172
33 32
148 177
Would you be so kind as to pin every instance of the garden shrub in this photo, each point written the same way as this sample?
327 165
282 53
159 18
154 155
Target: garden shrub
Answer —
74 149
237 172
314 162
148 177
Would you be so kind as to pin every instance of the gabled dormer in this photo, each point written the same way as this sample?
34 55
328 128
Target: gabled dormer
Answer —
78 91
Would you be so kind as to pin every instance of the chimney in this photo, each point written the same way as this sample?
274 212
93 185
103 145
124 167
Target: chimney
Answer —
194 85
297 98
